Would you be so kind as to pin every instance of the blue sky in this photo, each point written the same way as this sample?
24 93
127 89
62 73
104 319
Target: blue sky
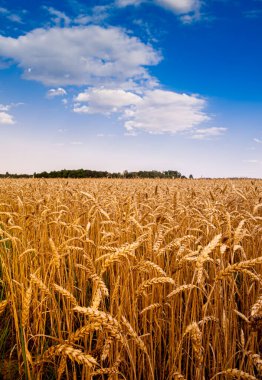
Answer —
131 84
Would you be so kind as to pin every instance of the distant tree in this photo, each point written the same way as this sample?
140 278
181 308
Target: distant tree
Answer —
82 173
191 176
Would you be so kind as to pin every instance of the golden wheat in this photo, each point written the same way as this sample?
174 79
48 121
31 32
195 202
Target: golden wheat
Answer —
133 279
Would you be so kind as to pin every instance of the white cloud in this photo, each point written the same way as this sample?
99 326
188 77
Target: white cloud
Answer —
56 92
125 3
102 100
76 143
98 14
155 111
180 7
58 17
4 10
207 133
6 118
80 55
5 107
251 161
190 18
15 18
166 112
257 140
80 109
254 13
11 16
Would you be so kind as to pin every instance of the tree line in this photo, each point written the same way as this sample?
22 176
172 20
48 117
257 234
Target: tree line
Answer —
83 173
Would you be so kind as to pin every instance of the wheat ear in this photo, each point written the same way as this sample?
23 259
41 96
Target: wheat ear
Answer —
26 306
65 293
154 281
3 305
105 319
256 359
196 337
134 335
75 355
235 373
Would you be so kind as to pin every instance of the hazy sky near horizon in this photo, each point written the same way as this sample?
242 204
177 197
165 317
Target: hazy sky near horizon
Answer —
131 84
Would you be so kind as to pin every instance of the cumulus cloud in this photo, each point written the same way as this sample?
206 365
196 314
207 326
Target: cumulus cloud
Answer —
181 7
102 100
125 3
6 118
154 111
4 107
166 112
192 17
58 17
80 55
98 14
206 133
53 92
114 68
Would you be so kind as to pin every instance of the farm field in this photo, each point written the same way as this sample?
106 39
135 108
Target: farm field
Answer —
130 279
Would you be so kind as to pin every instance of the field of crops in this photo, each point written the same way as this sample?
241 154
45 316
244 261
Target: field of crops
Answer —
130 279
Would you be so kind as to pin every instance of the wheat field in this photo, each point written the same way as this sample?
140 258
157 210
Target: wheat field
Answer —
130 279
